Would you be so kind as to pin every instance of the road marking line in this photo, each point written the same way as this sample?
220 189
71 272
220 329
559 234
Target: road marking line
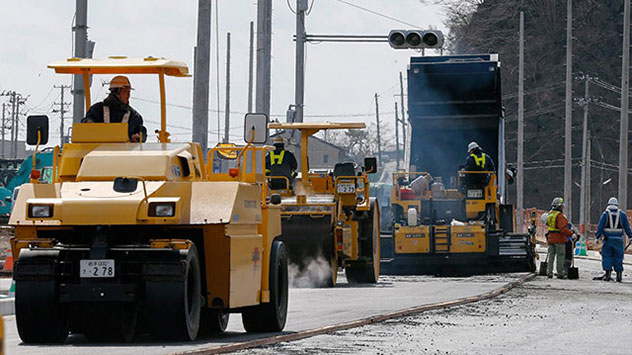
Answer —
357 323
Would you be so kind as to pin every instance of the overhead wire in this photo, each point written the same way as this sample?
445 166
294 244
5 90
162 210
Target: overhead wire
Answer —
379 14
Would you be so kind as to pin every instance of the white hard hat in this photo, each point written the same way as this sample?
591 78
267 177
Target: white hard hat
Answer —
278 140
471 146
613 202
544 217
557 202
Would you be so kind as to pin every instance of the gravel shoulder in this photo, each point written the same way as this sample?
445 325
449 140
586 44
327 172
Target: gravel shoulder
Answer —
540 317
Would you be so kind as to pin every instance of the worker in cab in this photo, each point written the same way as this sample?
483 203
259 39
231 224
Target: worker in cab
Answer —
477 160
280 162
558 234
612 224
116 109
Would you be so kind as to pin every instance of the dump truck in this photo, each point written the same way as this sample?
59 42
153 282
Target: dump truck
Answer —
145 237
328 217
447 220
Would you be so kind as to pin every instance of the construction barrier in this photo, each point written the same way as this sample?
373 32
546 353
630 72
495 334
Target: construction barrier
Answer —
8 262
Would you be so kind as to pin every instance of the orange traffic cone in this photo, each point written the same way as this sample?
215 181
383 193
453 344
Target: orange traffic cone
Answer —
8 262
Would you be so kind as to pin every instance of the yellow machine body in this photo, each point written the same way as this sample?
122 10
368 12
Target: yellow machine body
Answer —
322 215
154 200
450 230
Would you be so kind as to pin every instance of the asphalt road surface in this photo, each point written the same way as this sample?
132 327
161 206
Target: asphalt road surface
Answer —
542 316
309 309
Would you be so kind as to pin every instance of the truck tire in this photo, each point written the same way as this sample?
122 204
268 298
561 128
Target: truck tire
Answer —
174 307
367 272
39 317
271 317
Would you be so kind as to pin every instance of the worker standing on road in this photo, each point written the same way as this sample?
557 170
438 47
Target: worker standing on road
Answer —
612 224
478 160
280 162
557 225
116 109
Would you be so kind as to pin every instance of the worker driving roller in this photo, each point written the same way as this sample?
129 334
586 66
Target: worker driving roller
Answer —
478 160
115 108
280 162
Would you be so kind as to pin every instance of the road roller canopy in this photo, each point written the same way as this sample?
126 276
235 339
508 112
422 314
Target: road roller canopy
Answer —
125 65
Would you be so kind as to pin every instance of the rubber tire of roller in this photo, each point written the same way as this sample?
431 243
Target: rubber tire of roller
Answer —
366 273
213 321
174 307
40 319
271 317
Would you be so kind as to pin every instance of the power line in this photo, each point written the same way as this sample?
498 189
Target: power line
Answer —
379 14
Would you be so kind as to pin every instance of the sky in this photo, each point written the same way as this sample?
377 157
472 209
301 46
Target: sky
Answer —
341 79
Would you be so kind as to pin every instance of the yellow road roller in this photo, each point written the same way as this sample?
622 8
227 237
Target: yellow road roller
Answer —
145 237
328 218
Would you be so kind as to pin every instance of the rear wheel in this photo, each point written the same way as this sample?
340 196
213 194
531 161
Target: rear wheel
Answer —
368 271
39 317
271 317
174 306
213 321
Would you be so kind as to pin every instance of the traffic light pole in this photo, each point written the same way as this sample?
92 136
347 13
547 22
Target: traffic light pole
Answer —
299 93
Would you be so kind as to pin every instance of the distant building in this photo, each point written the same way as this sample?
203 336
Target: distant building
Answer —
21 151
322 154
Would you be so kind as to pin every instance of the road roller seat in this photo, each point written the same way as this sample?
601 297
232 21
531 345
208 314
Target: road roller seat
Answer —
344 169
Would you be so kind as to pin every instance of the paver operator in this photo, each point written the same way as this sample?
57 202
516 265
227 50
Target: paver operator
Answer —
280 162
115 108
478 160
612 224
559 232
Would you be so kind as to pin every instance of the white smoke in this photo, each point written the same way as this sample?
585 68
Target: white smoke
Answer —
315 274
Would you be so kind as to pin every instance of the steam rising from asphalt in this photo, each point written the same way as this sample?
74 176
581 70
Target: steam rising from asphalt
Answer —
315 273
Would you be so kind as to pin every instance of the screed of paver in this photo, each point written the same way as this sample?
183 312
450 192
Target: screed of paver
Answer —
543 316
309 309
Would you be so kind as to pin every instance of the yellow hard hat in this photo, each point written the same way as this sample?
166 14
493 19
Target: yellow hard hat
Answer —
120 81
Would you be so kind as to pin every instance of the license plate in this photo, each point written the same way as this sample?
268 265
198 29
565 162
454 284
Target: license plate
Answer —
474 193
346 188
96 268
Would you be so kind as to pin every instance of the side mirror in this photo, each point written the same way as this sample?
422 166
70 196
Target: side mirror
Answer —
370 165
35 124
259 123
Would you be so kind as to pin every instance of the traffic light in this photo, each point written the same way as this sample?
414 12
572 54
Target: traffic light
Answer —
415 39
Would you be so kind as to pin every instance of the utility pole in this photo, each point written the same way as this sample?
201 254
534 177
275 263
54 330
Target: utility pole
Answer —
13 125
588 180
3 127
201 73
264 55
81 39
625 89
401 96
62 109
519 177
227 110
251 60
299 92
396 136
584 198
568 127
377 120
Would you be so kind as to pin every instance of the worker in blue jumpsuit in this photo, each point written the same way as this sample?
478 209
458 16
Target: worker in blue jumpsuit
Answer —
612 224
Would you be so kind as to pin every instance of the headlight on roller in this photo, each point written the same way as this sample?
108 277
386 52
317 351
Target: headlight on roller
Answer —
162 209
40 211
